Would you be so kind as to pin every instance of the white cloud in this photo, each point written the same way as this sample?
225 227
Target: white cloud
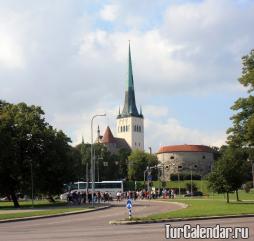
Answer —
154 111
74 66
109 12
12 54
172 132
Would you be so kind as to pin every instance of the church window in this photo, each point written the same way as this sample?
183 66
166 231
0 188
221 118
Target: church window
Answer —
123 128
126 127
139 128
172 157
203 157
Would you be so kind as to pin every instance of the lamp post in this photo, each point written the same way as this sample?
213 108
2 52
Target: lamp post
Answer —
179 188
87 182
32 182
92 157
191 177
29 138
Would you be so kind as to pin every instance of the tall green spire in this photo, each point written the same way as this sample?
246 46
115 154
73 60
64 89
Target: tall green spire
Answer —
130 74
130 108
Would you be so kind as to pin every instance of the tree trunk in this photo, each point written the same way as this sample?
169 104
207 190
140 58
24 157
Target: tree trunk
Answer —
227 197
237 196
15 200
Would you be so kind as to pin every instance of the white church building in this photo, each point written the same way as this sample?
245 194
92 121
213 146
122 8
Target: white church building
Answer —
129 121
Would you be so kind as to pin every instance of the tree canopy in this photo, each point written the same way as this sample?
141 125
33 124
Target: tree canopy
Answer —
29 144
241 134
229 171
138 161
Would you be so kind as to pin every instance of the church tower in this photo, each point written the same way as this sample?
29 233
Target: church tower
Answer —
130 122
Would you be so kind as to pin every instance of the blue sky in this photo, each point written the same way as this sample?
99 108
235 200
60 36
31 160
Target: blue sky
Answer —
70 57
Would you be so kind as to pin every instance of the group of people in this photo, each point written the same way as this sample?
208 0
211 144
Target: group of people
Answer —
78 198
144 194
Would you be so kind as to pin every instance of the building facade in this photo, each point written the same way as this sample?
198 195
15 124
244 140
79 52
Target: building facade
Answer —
185 159
130 121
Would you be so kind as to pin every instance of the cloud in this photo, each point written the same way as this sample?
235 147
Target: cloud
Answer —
109 12
70 57
172 132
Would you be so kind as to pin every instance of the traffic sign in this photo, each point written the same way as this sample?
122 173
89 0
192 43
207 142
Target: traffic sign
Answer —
129 206
149 177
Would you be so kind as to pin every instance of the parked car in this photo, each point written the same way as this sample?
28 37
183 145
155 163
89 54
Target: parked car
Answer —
194 194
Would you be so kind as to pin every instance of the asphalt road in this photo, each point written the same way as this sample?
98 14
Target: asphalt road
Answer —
95 226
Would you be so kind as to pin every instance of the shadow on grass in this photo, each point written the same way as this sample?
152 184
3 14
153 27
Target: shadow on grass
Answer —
24 204
241 202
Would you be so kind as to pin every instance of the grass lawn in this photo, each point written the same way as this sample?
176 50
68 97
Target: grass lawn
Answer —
42 207
28 204
208 206
40 212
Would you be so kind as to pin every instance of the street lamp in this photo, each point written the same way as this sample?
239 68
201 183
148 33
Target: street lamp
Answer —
29 138
92 157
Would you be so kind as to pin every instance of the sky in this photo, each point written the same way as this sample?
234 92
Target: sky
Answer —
70 58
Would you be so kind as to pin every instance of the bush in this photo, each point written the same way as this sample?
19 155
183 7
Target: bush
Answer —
184 176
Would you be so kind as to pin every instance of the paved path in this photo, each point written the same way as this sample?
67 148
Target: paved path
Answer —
94 226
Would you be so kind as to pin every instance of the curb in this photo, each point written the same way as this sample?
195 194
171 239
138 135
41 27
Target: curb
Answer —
126 222
53 215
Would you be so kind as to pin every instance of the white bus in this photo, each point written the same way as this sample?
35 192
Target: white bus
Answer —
111 187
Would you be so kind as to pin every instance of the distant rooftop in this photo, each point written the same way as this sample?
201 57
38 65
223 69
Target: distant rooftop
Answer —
185 148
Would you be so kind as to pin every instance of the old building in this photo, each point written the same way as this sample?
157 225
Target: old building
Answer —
130 122
112 143
185 159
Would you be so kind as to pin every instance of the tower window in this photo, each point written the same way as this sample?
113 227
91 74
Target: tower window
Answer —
121 129
203 157
126 128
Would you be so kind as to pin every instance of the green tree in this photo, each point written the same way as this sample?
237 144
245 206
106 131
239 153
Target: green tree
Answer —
241 134
28 143
229 172
138 161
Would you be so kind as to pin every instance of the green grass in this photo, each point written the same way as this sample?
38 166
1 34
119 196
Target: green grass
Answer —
41 207
40 212
28 204
212 205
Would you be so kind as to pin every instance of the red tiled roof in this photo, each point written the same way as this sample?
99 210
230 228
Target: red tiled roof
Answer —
185 148
108 136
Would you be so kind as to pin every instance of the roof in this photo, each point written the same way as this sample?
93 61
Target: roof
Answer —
108 136
185 148
130 108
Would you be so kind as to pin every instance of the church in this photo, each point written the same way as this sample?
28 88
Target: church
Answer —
129 121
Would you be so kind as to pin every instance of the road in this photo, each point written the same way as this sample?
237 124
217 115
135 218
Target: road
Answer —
95 226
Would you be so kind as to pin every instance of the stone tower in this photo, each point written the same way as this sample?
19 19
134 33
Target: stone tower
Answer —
130 122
